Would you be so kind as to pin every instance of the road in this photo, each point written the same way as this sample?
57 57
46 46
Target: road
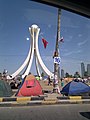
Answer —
46 112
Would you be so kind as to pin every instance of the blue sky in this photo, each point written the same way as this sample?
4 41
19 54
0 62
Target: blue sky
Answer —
16 16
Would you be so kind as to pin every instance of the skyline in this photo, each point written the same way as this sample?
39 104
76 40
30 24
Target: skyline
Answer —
16 18
84 69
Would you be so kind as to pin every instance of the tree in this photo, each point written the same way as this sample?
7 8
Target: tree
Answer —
42 74
77 75
67 74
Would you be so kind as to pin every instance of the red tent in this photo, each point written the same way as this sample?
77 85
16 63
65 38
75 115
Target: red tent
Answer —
30 87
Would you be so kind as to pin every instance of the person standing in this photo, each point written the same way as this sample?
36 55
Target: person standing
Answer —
49 80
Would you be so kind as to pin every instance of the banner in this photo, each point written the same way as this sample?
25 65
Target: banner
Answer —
57 60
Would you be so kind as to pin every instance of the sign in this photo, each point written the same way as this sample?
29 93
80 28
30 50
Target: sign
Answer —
57 60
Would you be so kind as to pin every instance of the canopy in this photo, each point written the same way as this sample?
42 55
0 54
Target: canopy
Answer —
5 89
30 86
75 87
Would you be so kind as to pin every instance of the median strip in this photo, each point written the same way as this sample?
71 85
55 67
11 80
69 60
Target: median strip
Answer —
1 99
75 97
41 100
23 99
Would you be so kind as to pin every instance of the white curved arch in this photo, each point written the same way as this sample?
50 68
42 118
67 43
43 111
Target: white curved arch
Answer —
21 67
37 66
32 54
40 60
34 32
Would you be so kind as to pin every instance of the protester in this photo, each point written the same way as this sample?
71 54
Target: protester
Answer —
49 80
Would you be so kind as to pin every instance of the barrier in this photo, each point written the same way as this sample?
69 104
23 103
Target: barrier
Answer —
43 100
20 99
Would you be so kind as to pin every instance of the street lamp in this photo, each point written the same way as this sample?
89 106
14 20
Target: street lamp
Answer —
56 57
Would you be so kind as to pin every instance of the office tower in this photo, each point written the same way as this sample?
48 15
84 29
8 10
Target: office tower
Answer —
82 70
88 70
62 73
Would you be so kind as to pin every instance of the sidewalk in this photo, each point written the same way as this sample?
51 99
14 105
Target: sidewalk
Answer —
45 86
48 98
49 88
49 92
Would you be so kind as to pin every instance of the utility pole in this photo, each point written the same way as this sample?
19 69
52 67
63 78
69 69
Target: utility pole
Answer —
57 57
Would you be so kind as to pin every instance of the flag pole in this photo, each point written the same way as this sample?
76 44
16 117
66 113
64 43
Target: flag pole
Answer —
56 58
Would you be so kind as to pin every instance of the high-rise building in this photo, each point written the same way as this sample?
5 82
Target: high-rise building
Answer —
62 73
88 70
82 69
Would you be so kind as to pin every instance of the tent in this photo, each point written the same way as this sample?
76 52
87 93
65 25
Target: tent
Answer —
75 87
30 86
5 89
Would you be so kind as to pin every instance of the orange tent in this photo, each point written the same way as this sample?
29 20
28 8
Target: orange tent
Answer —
30 87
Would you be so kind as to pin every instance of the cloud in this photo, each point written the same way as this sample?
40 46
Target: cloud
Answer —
80 35
49 26
82 43
72 52
41 34
69 38
71 60
68 53
64 50
41 17
68 23
47 58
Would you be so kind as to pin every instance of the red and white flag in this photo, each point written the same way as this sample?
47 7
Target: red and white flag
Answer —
61 40
44 42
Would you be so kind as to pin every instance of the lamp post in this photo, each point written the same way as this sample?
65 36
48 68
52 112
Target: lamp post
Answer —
56 57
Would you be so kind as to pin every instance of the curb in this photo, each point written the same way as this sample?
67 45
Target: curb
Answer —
21 99
38 103
43 100
73 97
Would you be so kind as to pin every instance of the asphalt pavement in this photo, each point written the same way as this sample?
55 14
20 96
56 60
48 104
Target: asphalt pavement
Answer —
46 112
